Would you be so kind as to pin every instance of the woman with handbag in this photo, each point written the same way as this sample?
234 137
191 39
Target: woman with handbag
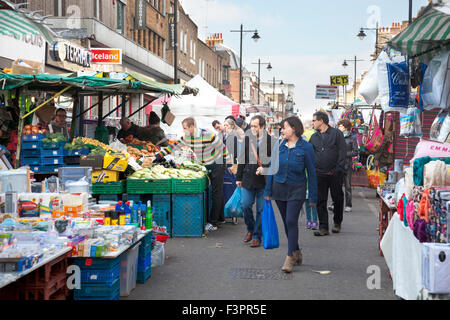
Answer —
286 183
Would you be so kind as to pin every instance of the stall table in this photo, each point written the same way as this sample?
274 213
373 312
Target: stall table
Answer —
387 210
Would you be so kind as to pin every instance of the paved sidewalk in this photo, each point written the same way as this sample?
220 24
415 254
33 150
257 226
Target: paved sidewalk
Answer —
218 267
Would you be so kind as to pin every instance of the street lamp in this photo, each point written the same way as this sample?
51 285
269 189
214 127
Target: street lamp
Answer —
354 84
255 37
269 67
361 35
273 96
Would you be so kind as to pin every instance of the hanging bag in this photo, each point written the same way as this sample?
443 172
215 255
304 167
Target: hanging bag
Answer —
269 227
374 139
233 208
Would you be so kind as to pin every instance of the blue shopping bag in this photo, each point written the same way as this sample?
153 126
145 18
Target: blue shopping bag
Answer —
269 227
233 207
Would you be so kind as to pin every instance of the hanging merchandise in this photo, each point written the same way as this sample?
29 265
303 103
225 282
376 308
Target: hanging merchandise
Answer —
410 125
436 83
369 85
394 89
440 129
374 140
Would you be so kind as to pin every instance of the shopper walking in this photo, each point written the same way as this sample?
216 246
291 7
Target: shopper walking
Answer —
330 151
294 166
234 137
256 151
211 151
352 151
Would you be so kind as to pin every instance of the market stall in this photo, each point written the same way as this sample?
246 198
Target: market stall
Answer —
101 206
413 87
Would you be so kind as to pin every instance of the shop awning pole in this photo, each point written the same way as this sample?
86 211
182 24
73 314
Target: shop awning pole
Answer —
19 129
76 106
49 100
113 110
145 105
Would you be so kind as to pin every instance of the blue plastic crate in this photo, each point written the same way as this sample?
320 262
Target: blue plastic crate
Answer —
134 197
33 137
96 263
97 290
36 161
187 216
30 153
142 277
105 276
53 145
161 211
52 153
29 145
115 297
71 153
53 161
145 250
148 239
49 169
37 169
144 263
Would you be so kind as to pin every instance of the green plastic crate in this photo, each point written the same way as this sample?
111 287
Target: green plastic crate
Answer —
145 186
116 187
188 185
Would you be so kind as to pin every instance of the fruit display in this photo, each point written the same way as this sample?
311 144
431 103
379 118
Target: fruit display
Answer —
93 142
138 154
160 172
29 129
151 147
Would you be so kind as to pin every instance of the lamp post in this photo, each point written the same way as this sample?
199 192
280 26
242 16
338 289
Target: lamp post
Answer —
273 96
269 67
255 37
354 85
361 35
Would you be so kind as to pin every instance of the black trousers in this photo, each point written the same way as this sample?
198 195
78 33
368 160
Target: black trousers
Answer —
334 184
216 177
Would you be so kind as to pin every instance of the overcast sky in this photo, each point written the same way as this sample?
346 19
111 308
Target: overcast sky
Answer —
305 41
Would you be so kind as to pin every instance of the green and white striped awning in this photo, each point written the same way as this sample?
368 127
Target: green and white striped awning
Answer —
16 24
426 36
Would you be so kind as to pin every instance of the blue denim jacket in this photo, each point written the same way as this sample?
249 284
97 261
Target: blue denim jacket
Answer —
292 165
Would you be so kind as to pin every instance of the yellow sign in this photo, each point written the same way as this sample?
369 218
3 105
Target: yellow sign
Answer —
339 80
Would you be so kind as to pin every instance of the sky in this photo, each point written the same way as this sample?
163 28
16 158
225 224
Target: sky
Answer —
305 41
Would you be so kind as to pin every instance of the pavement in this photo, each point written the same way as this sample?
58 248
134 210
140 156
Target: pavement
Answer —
221 266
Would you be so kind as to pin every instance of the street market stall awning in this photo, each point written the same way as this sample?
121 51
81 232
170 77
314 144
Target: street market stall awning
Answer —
49 82
17 22
427 35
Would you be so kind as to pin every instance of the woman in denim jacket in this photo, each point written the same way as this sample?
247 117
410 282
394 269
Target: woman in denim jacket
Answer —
287 181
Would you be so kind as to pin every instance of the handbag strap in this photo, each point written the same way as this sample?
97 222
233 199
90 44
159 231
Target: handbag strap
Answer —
257 158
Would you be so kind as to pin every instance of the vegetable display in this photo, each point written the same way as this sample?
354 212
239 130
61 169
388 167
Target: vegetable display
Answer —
54 138
160 172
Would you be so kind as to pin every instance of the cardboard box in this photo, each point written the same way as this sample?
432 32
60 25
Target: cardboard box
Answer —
35 67
94 161
99 176
114 163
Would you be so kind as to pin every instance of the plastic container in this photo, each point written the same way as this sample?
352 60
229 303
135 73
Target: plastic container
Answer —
77 186
162 211
96 263
142 277
74 174
158 255
187 186
108 188
144 263
128 270
52 161
35 161
33 137
187 215
145 186
97 291
104 276
28 145
30 153
14 181
51 153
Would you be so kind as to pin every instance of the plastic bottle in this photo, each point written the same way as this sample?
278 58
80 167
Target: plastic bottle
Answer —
127 210
139 214
134 216
119 206
149 215
144 217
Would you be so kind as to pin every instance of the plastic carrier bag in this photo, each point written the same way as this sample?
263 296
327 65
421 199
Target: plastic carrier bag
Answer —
269 227
440 128
410 125
394 90
233 208
158 254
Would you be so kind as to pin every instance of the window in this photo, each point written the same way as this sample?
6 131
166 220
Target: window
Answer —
97 9
155 42
59 7
185 42
181 40
195 49
120 17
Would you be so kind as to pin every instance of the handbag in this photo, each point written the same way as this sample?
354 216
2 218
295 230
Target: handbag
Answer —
269 227
374 139
375 178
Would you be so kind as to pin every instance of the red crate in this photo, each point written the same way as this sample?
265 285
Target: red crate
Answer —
42 276
56 288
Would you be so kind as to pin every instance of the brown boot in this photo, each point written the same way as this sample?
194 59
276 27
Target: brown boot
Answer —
298 257
288 264
248 237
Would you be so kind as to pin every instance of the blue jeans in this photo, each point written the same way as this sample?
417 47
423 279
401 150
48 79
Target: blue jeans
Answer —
290 211
247 200
311 212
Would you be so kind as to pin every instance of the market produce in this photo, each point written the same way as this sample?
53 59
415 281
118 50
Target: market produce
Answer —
138 154
29 129
159 172
151 147
192 166
75 145
54 138
89 141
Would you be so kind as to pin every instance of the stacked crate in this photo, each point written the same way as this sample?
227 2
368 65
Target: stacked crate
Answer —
40 156
100 279
144 269
72 157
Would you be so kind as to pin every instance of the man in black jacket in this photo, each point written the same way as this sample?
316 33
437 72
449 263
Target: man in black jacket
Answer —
257 148
331 151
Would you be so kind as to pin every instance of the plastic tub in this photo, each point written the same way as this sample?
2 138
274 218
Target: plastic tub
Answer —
128 270
14 181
